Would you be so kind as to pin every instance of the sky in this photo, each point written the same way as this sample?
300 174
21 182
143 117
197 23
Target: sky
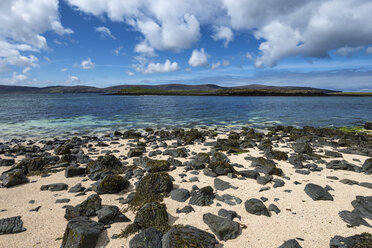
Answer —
101 43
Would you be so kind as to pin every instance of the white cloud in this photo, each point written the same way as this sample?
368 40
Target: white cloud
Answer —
14 80
105 32
369 50
188 69
87 64
118 50
198 58
26 70
47 59
249 56
159 67
72 79
130 73
347 51
144 49
225 62
215 65
22 24
64 69
223 33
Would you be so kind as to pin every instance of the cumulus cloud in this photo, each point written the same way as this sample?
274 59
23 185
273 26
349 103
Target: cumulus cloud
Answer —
215 65
144 49
72 79
118 50
159 67
198 58
223 33
64 69
105 32
249 56
225 62
14 80
130 73
22 24
87 64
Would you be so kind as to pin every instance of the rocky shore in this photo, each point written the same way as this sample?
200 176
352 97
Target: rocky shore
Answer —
279 187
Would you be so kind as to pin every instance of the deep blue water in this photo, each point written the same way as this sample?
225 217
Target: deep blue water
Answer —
48 115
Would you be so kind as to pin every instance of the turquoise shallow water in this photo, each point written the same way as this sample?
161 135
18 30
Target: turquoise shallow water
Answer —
50 115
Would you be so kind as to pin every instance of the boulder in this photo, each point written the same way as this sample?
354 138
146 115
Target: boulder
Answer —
136 152
368 125
292 243
222 185
73 171
363 240
104 163
363 206
180 195
188 236
14 178
255 206
86 208
221 168
110 214
147 238
202 197
223 228
11 225
266 166
81 232
110 184
54 187
157 165
317 192
367 165
76 188
7 162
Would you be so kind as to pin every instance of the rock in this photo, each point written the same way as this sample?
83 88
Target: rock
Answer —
110 184
136 152
14 178
348 181
209 173
274 208
73 171
352 218
340 165
200 161
368 125
54 187
278 183
255 206
296 161
76 188
33 165
7 162
249 174
303 172
264 179
86 208
317 193
104 163
363 205
186 210
188 236
128 199
266 166
130 134
147 238
229 214
202 197
221 168
332 154
176 153
81 232
64 200
110 214
229 199
363 240
157 165
302 147
277 155
367 165
292 243
180 195
366 185
62 150
222 185
35 209
11 225
223 228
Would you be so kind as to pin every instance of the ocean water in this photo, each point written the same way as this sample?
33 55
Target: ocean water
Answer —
54 115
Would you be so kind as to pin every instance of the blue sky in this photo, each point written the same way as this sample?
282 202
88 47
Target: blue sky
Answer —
324 44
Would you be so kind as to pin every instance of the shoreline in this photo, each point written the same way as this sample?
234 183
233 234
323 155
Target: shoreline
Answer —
291 159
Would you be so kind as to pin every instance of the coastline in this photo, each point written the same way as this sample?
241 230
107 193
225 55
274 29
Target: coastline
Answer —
312 223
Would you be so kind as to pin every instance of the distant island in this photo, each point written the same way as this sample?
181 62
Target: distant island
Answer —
183 90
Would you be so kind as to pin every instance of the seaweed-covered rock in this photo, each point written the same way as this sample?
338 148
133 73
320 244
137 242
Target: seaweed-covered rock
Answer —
188 236
291 243
81 232
219 157
11 225
277 155
190 136
86 208
54 187
302 147
367 165
136 152
176 153
131 134
7 162
62 150
153 214
180 195
363 240
202 197
73 171
200 161
266 166
152 187
368 125
363 205
223 228
14 178
147 238
317 192
110 184
221 168
157 165
104 163
255 206
33 165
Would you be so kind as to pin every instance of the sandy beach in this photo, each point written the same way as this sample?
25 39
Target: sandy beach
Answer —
313 223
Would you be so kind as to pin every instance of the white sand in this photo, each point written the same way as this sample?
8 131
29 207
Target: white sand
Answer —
314 221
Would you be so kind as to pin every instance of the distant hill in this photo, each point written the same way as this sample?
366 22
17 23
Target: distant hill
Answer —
160 87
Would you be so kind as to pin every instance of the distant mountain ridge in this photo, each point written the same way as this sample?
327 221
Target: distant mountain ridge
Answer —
170 87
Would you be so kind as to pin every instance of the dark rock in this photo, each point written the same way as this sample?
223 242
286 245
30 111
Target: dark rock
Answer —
266 166
332 177
274 208
222 185
264 189
333 154
7 162
277 155
229 199
11 225
296 161
73 171
105 163
32 165
302 147
278 183
186 210
368 125
86 208
209 173
223 228
14 178
352 218
303 172
363 205
249 174
340 165
54 187
110 214
128 199
363 240
136 152
130 134
157 165
147 238
81 232
180 195
229 214
35 209
348 181
317 193
188 236
264 179
76 188
221 168
62 150
367 165
292 243
255 206
176 153
366 185
110 184
200 161
64 200
202 197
